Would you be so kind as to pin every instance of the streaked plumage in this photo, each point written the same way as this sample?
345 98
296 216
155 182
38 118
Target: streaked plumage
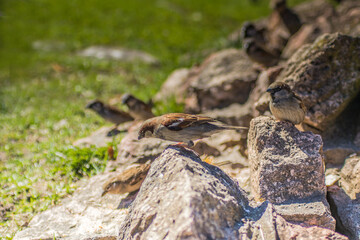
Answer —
109 113
138 109
181 127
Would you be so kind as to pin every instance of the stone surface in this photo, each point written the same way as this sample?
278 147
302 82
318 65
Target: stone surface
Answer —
346 212
307 213
120 54
326 75
286 164
83 215
174 86
185 198
224 78
264 222
350 177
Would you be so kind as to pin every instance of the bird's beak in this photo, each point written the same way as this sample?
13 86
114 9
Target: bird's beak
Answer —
139 137
87 106
103 193
269 90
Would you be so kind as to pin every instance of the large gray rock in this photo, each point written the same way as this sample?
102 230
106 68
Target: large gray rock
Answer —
83 215
185 198
286 164
326 75
346 211
224 78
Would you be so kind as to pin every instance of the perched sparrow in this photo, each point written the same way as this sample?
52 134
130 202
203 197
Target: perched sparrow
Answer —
109 113
289 18
259 54
128 181
181 127
137 108
285 104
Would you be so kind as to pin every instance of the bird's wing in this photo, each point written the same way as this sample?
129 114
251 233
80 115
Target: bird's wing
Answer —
179 121
300 102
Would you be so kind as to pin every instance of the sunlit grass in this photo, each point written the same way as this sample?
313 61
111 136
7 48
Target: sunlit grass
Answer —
43 90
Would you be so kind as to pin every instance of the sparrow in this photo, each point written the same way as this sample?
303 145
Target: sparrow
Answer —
288 17
250 31
285 104
138 109
109 113
128 181
259 54
181 127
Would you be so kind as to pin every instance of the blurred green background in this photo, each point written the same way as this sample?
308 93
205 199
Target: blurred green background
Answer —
45 84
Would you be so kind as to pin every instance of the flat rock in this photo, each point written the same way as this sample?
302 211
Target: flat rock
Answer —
265 222
224 78
83 215
117 53
185 198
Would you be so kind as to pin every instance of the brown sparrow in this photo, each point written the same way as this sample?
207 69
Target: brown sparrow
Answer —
249 30
109 113
181 127
285 104
259 54
128 181
138 109
288 17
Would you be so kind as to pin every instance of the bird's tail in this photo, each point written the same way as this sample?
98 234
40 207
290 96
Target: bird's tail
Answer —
235 127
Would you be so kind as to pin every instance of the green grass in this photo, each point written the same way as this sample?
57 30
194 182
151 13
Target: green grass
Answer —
42 108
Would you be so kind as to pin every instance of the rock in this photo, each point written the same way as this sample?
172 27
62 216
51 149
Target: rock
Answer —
350 177
120 54
83 215
185 198
174 86
224 78
131 150
307 213
346 212
348 20
286 164
265 223
102 136
326 75
235 114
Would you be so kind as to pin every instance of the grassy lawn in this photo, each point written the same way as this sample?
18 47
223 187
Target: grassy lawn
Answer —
43 91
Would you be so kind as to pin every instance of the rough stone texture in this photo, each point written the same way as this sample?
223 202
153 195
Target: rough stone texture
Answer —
307 213
174 86
224 78
326 75
346 212
120 54
264 222
83 215
185 198
286 164
350 177
131 150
